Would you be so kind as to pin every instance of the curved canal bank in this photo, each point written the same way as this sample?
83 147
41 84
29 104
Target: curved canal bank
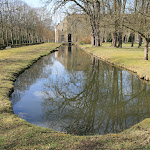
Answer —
128 58
15 133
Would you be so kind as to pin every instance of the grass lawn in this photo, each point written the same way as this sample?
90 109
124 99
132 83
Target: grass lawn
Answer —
17 134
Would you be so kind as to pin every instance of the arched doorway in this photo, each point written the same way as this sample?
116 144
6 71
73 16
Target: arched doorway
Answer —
69 38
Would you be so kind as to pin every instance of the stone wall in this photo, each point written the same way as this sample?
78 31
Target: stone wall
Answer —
74 27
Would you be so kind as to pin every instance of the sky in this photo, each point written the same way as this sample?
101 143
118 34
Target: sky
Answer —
34 3
58 17
38 3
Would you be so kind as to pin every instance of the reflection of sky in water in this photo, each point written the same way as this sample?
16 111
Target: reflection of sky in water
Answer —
74 93
29 105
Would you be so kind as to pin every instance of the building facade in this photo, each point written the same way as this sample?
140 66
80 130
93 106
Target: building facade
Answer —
72 29
75 28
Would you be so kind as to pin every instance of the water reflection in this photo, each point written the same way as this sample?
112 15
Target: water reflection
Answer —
70 91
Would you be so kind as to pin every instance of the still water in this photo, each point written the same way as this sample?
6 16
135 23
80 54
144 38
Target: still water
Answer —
73 92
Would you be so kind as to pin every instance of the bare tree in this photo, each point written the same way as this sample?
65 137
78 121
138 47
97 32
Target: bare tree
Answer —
21 24
139 22
92 8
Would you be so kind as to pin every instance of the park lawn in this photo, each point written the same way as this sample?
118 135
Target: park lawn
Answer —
126 57
17 134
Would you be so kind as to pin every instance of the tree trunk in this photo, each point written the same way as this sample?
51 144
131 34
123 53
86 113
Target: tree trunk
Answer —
97 40
114 39
37 39
132 39
92 40
20 37
6 37
120 40
128 37
95 23
140 41
12 39
2 37
146 49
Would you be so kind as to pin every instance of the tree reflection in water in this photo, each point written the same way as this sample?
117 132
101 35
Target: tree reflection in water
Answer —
99 100
84 96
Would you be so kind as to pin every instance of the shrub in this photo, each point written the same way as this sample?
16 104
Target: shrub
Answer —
85 40
16 45
2 47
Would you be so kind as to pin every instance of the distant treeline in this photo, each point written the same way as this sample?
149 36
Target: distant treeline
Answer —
20 24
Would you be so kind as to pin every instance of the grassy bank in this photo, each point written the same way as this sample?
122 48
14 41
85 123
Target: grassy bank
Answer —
15 133
126 57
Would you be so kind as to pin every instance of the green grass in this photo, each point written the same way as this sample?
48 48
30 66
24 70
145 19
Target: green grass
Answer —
17 134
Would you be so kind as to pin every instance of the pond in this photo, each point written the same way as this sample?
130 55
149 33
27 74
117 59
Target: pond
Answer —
73 92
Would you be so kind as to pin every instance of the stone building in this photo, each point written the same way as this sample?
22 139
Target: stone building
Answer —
76 28
72 29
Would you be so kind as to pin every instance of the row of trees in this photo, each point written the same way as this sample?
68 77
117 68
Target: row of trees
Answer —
114 16
19 23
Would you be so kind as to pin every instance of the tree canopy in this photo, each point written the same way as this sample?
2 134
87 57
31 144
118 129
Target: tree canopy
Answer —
19 23
115 16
